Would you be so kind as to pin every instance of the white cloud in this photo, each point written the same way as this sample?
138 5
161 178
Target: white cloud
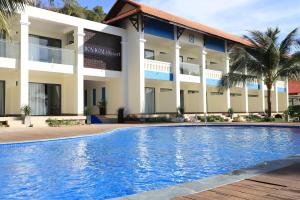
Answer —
235 16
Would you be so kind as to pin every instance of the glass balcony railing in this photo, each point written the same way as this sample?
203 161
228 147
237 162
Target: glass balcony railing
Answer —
189 69
9 49
51 54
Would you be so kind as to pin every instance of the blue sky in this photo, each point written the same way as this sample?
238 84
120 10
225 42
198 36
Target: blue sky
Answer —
235 16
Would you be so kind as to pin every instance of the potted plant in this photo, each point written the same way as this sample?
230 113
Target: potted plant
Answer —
26 112
121 118
230 112
102 107
88 113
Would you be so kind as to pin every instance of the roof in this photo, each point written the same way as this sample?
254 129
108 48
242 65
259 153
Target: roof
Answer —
294 87
114 16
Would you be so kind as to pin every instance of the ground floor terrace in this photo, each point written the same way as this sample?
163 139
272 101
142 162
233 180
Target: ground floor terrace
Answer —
58 94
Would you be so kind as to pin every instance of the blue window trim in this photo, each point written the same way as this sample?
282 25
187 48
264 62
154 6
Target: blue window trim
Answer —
158 75
214 43
213 82
281 90
159 28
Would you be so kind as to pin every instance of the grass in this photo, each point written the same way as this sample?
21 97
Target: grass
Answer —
60 123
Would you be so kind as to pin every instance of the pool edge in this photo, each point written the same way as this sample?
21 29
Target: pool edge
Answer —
153 126
208 183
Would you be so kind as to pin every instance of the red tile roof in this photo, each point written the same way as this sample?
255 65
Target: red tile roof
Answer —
294 87
113 16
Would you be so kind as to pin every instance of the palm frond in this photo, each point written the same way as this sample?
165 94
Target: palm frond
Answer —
8 8
287 43
233 79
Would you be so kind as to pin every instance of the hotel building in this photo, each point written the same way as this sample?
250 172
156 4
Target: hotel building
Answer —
143 59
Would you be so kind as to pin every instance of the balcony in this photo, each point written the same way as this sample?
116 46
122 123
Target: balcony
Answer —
9 53
51 59
189 73
189 69
213 77
158 70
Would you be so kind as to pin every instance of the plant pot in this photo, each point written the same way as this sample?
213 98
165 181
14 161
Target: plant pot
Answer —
102 111
26 120
88 119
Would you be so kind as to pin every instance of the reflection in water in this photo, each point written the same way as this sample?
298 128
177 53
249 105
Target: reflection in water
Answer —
135 160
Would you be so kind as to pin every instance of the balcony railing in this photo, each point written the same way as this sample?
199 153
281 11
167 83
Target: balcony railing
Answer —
213 74
51 54
189 69
281 84
9 49
158 66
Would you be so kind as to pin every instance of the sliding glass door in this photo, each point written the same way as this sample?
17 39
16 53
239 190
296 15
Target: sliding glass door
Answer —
2 98
45 99
149 100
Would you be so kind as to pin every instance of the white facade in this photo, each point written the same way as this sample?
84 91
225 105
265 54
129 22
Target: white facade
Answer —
183 71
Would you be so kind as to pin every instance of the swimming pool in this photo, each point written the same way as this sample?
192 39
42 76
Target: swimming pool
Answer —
134 160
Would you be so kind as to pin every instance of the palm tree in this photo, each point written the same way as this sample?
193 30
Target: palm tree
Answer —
267 59
8 8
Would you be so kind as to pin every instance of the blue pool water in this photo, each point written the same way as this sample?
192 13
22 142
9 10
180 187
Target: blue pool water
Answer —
134 160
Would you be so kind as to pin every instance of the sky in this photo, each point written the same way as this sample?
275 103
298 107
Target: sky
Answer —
234 16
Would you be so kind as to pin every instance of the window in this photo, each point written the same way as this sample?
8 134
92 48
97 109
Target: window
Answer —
94 96
252 95
193 91
165 90
189 59
235 94
85 98
181 58
45 99
191 38
216 93
149 54
44 49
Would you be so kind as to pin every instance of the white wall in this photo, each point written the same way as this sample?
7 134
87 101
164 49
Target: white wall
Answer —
12 88
114 95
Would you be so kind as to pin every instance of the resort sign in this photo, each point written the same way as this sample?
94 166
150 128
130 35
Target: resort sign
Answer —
102 51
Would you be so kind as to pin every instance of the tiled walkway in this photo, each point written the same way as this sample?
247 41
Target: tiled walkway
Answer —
282 184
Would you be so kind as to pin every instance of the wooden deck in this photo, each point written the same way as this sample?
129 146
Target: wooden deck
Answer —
282 184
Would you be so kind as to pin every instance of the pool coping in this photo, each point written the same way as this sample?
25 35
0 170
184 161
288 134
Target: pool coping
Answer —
153 126
211 182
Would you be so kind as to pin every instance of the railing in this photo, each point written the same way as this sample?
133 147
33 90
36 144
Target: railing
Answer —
281 84
51 54
213 74
158 66
9 49
189 69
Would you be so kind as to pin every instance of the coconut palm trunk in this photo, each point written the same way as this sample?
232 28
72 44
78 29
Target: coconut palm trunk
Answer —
269 102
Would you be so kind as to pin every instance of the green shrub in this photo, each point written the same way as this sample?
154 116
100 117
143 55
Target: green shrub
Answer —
59 123
267 119
214 118
253 118
157 120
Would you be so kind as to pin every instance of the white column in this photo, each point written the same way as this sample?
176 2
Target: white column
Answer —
228 104
203 81
287 93
246 95
276 97
79 80
24 48
125 73
176 71
141 70
262 95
